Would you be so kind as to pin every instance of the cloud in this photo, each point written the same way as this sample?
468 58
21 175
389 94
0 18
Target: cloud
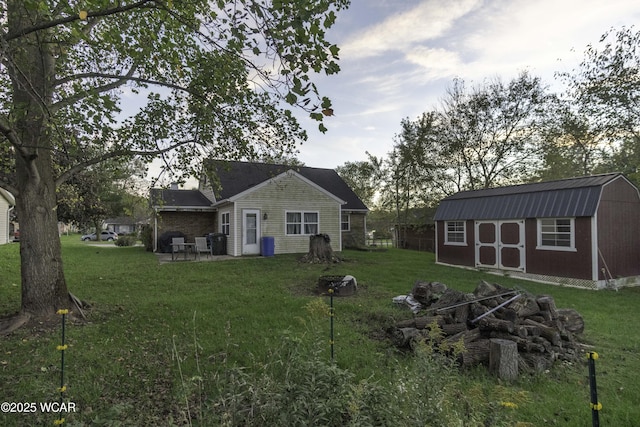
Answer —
507 36
437 63
399 56
427 21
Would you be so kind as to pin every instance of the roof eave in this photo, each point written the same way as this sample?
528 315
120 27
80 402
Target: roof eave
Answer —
184 208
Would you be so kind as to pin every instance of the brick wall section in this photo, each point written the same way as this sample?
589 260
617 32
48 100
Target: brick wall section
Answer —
192 224
355 237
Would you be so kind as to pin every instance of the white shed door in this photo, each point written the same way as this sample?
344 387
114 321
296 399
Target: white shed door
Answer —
500 244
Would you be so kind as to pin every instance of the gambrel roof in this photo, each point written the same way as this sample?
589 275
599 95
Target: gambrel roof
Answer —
572 197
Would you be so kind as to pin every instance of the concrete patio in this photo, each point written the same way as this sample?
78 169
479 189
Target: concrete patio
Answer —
164 258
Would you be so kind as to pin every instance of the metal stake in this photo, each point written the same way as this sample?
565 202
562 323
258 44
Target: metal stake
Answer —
595 405
331 313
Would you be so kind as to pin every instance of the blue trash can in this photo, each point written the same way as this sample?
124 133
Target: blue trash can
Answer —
268 246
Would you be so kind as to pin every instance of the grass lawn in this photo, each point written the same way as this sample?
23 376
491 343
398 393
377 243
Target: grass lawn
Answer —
163 341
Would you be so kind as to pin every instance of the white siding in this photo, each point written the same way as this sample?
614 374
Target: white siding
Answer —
288 193
4 220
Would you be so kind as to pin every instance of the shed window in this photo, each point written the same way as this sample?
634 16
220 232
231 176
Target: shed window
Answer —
302 223
556 233
455 233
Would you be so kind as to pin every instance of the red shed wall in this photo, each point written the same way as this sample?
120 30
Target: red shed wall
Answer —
560 263
455 254
619 229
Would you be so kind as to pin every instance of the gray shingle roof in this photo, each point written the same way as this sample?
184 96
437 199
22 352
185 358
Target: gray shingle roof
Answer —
571 197
178 198
236 177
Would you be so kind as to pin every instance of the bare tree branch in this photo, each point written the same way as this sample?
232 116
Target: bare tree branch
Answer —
116 154
120 80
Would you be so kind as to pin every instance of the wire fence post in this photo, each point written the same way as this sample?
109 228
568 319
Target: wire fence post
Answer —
62 347
331 313
595 405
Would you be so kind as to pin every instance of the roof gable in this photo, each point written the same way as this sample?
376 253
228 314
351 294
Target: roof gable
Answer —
287 173
573 197
8 197
233 178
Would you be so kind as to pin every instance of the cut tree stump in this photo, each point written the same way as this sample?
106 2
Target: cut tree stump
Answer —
320 250
503 359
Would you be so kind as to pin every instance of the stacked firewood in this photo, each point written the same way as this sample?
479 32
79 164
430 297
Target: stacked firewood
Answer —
542 332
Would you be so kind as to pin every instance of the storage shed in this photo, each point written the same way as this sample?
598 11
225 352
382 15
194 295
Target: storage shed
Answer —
581 232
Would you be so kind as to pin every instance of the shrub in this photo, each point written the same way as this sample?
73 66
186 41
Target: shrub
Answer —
146 235
126 241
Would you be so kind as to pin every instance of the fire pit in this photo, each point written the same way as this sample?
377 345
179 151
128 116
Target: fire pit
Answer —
343 286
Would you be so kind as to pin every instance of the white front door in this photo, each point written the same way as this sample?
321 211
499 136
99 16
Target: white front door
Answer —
250 232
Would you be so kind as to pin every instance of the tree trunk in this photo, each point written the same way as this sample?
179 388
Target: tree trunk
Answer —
320 250
98 226
44 289
503 359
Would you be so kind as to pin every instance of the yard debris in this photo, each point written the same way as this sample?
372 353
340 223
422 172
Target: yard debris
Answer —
408 301
484 319
339 285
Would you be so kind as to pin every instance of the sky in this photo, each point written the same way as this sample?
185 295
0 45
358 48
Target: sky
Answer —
398 57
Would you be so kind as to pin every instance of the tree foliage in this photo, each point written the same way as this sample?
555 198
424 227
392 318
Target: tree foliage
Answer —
363 177
480 137
606 85
571 145
490 134
604 92
85 82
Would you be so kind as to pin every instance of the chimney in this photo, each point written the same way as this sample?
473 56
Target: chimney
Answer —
174 185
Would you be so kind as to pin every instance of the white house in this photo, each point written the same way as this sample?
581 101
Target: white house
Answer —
7 203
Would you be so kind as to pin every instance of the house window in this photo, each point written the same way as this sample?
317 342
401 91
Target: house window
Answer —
345 222
225 223
556 233
302 223
455 233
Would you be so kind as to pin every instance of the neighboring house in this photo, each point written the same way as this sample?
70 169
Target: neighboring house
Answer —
248 201
7 203
579 232
122 225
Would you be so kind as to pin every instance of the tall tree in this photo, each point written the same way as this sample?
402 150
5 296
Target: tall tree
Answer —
606 85
411 169
572 145
363 177
606 91
491 133
214 74
94 194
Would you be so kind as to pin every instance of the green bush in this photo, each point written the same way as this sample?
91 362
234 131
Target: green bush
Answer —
126 241
146 235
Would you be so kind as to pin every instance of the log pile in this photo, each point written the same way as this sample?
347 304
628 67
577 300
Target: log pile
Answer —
488 321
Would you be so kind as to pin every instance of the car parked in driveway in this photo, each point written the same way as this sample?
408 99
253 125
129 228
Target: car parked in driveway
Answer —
104 235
